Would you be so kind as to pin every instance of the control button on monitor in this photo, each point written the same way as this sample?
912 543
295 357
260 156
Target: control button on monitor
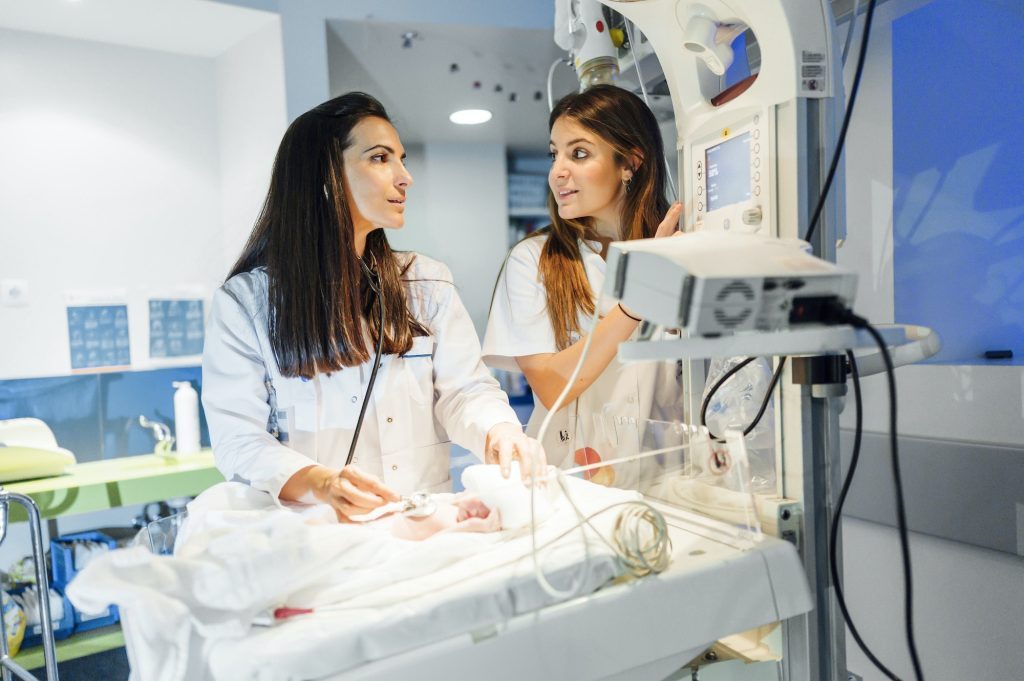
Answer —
752 216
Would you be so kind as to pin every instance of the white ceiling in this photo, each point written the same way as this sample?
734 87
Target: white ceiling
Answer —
415 84
420 91
199 28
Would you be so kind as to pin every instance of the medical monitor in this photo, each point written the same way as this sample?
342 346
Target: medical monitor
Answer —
730 174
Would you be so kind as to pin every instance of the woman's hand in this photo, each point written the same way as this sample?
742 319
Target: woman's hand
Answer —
506 442
349 491
670 224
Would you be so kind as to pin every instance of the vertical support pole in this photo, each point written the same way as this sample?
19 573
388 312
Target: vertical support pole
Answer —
815 643
42 584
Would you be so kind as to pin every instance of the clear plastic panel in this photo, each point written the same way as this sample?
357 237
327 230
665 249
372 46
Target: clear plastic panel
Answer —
679 465
713 480
160 535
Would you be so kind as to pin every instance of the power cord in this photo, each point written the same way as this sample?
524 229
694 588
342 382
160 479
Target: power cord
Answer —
833 558
838 314
840 143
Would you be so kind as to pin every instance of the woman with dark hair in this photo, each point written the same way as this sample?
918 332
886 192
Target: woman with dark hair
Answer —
607 182
318 309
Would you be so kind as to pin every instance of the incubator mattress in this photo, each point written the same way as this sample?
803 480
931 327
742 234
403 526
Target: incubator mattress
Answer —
454 606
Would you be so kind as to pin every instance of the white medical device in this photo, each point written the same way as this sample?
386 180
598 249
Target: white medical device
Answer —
712 283
581 30
752 162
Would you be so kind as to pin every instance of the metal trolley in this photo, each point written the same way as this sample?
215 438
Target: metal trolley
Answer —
7 664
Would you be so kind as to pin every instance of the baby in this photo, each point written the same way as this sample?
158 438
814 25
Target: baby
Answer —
490 503
462 512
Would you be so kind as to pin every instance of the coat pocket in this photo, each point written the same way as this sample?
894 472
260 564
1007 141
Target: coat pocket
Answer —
418 469
418 366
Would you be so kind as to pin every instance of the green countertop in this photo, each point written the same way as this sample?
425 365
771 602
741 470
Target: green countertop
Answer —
125 481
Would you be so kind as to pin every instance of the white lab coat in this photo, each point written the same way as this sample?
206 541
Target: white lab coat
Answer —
266 427
614 415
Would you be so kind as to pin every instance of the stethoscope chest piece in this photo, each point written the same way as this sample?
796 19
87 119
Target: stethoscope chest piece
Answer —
418 505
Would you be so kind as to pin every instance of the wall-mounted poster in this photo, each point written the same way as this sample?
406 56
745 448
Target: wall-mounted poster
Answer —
175 327
98 337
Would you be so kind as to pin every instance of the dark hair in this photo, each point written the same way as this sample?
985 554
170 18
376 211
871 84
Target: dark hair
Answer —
320 303
622 120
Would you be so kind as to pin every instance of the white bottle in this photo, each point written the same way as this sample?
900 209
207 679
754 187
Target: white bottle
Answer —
186 418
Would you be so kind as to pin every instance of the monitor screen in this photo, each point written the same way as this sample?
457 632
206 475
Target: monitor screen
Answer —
728 167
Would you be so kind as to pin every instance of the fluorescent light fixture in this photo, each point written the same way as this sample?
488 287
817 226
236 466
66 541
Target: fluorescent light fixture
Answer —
470 116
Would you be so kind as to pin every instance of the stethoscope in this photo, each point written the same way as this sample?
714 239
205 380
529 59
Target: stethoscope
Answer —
418 505
374 282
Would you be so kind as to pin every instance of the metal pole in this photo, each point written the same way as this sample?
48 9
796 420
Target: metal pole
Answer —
42 584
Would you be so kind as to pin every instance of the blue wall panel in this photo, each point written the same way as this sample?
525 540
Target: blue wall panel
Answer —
96 416
958 169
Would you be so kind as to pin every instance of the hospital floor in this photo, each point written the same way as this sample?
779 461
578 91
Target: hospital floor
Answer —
111 665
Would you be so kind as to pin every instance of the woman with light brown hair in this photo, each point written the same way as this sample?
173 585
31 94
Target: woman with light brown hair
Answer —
607 183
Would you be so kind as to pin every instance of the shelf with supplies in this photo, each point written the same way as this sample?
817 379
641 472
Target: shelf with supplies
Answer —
100 485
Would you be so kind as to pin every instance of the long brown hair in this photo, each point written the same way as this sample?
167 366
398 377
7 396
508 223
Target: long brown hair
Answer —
320 303
623 121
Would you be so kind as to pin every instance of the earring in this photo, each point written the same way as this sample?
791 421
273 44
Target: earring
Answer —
627 183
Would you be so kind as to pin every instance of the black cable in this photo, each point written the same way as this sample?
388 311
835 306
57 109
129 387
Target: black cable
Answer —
901 514
833 559
764 401
371 278
846 119
849 317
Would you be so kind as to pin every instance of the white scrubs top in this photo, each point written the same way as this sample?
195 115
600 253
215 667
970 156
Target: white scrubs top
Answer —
612 415
266 427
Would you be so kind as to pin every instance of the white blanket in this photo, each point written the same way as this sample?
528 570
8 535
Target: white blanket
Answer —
191 616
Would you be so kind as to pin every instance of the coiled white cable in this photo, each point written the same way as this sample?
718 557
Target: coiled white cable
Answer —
641 539
641 552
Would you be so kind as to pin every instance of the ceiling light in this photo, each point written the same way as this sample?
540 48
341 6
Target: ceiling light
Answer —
470 116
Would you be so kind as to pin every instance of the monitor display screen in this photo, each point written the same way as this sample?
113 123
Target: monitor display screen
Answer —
728 167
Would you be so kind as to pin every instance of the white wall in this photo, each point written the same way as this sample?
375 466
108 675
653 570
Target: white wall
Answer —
109 179
125 169
968 600
251 122
967 607
458 213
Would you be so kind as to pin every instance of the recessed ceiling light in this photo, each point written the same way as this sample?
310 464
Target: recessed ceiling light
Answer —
470 116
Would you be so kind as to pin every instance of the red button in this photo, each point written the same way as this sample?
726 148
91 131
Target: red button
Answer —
600 27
